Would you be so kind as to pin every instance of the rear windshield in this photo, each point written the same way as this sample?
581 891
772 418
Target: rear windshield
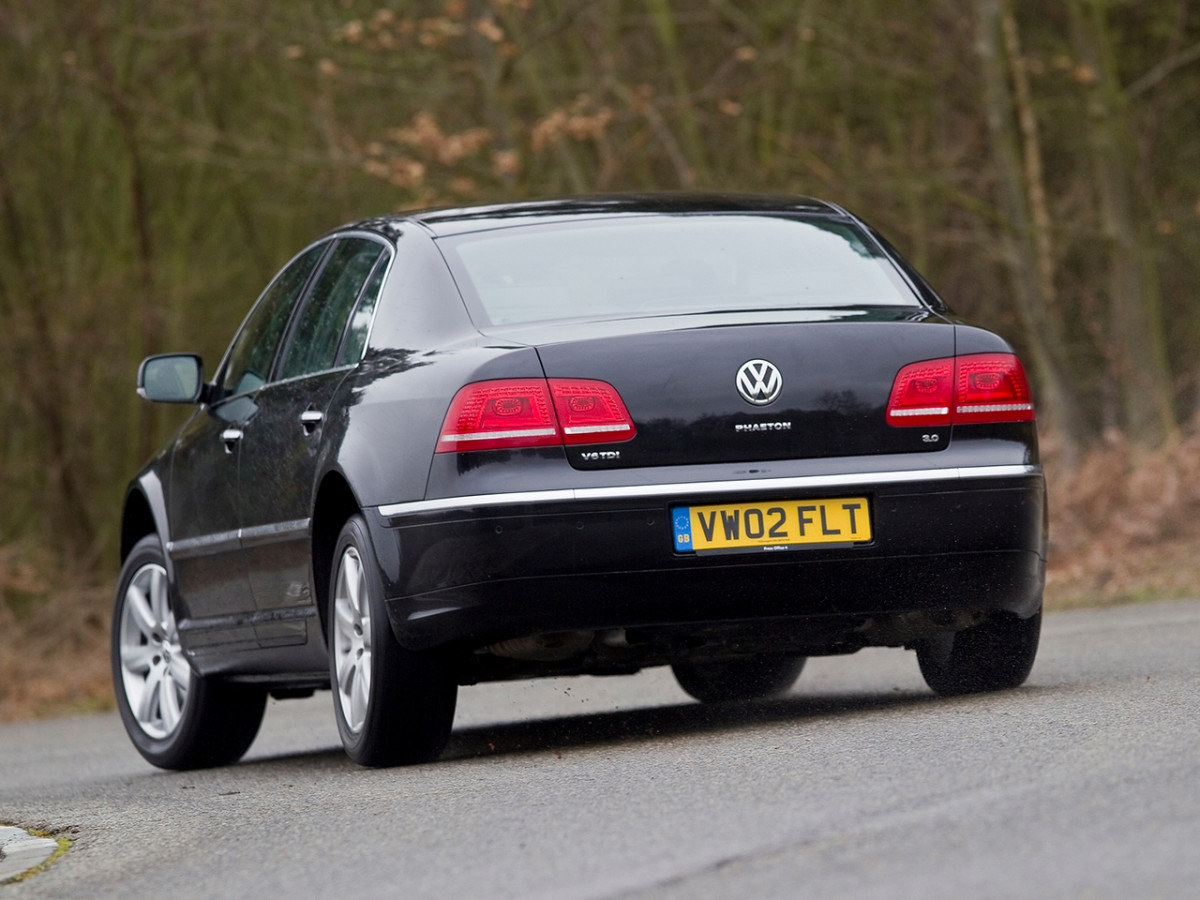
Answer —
670 265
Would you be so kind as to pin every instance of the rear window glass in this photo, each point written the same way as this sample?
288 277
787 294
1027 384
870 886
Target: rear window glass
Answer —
670 265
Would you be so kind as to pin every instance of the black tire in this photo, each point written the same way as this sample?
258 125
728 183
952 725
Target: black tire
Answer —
738 679
993 656
393 706
175 718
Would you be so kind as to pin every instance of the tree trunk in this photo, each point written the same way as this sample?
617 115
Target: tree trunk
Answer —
662 18
1139 345
1026 239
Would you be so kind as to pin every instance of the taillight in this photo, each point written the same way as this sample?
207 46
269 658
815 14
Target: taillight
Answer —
978 389
534 412
991 387
590 412
922 394
492 415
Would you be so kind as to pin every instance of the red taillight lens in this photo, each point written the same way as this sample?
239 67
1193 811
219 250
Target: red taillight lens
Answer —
590 412
492 415
978 389
528 412
991 387
922 395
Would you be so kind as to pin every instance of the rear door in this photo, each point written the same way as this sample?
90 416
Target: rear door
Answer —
282 442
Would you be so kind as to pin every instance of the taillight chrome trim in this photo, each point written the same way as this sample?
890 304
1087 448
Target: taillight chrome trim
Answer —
596 429
980 408
500 435
927 411
865 480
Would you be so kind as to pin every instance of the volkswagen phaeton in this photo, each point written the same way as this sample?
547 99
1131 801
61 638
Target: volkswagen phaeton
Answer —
719 433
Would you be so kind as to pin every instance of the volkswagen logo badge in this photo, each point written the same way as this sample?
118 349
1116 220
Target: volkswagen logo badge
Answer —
759 382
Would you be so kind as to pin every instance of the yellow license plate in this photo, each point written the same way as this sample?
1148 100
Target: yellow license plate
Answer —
774 525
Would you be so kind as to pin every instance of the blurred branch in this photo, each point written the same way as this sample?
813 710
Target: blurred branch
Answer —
1163 71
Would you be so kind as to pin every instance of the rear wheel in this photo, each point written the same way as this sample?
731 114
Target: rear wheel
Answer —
393 705
738 679
175 718
992 656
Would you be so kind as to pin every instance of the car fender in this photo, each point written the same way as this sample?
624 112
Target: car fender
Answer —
390 413
145 512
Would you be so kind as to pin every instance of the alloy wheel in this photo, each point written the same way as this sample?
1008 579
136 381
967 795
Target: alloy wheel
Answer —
155 674
352 640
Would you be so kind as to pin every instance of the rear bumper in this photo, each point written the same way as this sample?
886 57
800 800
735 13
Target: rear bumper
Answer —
473 571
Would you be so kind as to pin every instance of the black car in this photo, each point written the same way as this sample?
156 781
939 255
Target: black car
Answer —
721 433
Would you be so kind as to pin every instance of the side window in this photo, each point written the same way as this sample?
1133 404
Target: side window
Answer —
253 349
355 341
314 341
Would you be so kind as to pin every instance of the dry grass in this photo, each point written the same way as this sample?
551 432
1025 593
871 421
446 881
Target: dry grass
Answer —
1124 527
53 644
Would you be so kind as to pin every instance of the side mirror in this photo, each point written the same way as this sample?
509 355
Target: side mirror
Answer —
171 378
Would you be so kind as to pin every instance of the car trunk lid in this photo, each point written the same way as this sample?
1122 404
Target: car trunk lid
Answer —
714 391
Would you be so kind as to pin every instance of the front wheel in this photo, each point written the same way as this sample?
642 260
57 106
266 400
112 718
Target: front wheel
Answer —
175 718
738 679
995 655
393 705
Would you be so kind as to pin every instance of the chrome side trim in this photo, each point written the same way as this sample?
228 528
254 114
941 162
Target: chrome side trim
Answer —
684 489
200 546
226 541
273 534
246 620
421 506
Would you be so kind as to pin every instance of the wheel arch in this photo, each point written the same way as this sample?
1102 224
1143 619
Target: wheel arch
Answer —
334 504
144 513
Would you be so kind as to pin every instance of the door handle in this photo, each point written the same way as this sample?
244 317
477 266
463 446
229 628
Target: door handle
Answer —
230 438
310 419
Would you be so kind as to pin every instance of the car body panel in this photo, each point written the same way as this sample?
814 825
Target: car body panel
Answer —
204 543
276 490
680 387
973 521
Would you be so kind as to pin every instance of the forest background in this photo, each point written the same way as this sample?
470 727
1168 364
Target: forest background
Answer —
1038 160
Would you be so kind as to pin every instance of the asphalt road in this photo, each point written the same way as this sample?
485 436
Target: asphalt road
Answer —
1084 783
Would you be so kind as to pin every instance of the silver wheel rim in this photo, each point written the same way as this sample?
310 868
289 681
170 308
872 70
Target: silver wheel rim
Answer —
154 671
352 640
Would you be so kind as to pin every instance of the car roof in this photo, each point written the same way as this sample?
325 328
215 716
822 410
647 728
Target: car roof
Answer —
442 222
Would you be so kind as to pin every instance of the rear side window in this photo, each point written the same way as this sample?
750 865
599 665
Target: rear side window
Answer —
317 334
355 341
656 265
